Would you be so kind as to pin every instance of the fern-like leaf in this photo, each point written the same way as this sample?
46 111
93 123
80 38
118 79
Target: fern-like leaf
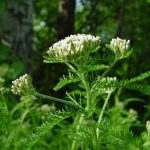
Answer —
45 127
135 79
143 88
66 80
91 68
102 84
123 83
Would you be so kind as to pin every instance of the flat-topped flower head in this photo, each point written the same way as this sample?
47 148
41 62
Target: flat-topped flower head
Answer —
23 86
73 46
120 47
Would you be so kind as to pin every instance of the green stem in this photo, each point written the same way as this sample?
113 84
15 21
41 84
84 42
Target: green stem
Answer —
82 78
86 85
111 66
58 100
81 117
102 112
79 122
71 67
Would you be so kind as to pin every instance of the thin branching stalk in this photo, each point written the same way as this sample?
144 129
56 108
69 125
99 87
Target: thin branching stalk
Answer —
79 122
86 85
71 67
102 112
58 100
103 108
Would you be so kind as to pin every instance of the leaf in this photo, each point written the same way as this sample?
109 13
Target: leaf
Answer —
66 80
45 127
102 84
136 79
143 88
91 68
53 59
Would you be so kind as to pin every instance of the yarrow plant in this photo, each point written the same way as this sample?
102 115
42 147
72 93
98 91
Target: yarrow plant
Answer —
94 85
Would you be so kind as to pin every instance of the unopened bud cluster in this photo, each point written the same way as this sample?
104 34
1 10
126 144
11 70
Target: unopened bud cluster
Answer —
73 46
22 86
107 84
120 47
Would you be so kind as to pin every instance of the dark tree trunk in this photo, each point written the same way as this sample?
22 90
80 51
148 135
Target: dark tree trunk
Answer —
66 18
121 11
19 29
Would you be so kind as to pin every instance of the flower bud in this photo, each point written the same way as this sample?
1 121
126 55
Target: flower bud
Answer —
120 47
23 86
106 84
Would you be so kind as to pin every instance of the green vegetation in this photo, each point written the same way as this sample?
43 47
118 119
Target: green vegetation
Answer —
89 90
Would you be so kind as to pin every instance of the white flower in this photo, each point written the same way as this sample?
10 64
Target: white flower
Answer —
120 47
73 46
22 86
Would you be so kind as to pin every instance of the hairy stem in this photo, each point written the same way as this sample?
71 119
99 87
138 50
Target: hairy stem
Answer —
102 112
86 85
81 117
79 122
58 100
71 67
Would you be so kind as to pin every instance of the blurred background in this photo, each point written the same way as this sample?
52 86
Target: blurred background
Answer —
29 27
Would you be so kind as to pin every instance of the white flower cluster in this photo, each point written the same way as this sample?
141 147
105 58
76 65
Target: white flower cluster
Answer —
120 47
22 86
72 46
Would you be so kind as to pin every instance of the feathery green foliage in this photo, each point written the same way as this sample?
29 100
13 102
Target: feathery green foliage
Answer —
45 127
66 80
